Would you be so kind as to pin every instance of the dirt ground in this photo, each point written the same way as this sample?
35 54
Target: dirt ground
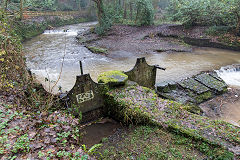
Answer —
149 39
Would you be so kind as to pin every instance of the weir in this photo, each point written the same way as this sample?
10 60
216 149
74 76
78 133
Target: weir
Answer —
87 96
136 103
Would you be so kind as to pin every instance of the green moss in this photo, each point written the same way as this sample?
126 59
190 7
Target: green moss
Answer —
211 82
202 97
113 77
97 49
136 105
193 109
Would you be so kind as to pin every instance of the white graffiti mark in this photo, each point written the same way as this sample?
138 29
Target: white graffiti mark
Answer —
83 97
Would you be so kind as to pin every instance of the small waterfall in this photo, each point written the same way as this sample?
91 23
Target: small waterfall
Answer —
63 31
230 74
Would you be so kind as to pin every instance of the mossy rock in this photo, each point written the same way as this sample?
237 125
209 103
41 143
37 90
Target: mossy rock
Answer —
97 49
162 87
193 109
113 78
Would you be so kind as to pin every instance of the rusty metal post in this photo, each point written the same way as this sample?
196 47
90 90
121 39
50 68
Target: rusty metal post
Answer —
81 68
157 66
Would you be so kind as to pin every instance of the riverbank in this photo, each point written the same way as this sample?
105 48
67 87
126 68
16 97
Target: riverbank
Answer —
29 126
162 38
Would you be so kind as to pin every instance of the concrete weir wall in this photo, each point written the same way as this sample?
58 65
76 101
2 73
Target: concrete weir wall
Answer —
143 74
87 96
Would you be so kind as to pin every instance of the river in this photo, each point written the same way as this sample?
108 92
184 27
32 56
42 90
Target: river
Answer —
56 54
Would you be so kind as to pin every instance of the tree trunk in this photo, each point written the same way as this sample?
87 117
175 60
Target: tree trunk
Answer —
21 9
100 10
137 16
6 4
131 11
238 25
125 10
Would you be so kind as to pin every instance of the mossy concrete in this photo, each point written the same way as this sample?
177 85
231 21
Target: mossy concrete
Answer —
212 83
137 104
193 90
166 86
143 74
193 85
85 96
113 78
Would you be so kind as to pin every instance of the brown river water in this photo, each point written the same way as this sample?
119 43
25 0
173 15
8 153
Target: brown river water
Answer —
47 52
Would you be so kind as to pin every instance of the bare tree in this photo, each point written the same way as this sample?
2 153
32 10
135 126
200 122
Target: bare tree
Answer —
100 10
21 9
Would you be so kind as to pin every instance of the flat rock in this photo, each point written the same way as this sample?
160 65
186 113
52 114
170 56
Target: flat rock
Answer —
179 96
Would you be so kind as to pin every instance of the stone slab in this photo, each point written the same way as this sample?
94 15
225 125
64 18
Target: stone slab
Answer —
193 85
166 86
211 82
215 75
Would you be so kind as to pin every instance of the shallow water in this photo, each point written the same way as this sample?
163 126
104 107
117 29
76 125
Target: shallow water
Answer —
47 52
231 111
97 131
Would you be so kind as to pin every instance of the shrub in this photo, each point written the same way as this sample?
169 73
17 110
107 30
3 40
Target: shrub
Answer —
206 12
145 13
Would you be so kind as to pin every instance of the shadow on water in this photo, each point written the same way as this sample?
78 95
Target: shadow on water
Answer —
94 133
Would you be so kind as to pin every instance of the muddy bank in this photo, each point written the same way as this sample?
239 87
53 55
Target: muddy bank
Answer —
134 40
224 107
163 38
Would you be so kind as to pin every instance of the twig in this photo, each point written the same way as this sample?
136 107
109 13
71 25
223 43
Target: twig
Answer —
61 65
